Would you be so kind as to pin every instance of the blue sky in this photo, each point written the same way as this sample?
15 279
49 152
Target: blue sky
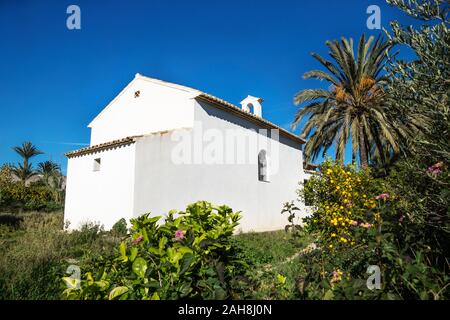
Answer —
54 81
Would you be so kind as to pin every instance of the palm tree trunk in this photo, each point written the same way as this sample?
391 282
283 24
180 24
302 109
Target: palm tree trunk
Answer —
362 148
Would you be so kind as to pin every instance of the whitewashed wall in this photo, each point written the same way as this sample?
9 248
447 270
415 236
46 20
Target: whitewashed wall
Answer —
162 185
103 196
157 108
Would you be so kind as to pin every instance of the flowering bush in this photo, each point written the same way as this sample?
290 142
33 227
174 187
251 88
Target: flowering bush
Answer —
343 201
188 256
360 221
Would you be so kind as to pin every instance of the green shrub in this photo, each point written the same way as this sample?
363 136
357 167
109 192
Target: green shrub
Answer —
188 256
410 250
344 204
14 196
120 228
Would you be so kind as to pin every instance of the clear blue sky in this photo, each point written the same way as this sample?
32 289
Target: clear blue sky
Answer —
53 81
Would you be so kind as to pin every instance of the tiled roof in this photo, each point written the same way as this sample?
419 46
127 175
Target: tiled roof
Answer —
229 107
102 146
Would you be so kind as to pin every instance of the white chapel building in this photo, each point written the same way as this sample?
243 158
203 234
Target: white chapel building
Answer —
159 146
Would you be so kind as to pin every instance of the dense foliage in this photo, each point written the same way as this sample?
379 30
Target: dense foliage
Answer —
15 196
343 204
24 189
395 216
190 255
374 230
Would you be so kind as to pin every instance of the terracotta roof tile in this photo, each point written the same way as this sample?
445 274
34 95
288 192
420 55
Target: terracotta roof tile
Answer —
102 146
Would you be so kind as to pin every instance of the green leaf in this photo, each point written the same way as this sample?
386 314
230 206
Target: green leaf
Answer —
154 250
71 282
162 243
186 262
117 292
133 253
139 267
329 295
123 249
155 296
185 250
102 284
89 279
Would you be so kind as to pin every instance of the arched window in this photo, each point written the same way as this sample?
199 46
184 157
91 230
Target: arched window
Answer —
263 166
250 108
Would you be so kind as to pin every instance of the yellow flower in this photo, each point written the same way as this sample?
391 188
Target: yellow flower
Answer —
333 234
330 246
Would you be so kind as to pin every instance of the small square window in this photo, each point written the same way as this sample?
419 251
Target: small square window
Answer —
97 163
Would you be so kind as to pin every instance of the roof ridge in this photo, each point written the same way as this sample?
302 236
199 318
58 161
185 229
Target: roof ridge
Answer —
212 98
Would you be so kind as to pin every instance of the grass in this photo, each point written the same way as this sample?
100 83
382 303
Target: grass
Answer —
267 247
35 253
272 257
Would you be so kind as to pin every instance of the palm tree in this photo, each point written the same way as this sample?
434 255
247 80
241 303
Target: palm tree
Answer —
27 150
354 106
52 177
48 168
50 172
22 173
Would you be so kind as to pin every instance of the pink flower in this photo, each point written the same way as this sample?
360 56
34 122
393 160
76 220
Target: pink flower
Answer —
383 196
336 276
366 225
180 234
138 239
436 168
354 223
